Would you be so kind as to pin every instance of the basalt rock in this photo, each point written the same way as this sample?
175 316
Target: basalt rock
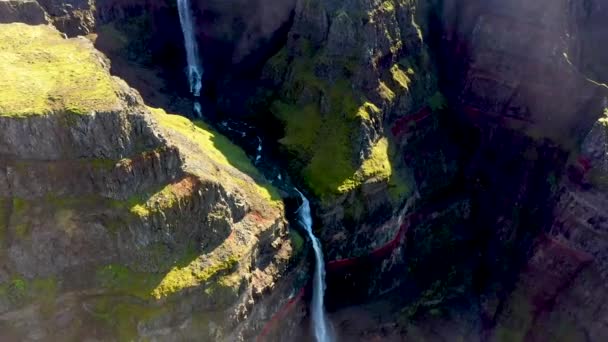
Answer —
28 11
347 72
118 221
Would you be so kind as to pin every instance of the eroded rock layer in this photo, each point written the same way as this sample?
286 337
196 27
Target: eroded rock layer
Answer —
118 220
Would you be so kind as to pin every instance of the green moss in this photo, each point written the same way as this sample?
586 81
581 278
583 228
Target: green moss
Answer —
19 291
322 143
44 73
102 164
20 217
278 63
385 92
388 6
191 272
302 125
192 275
154 201
219 149
437 101
124 281
297 241
20 206
123 317
401 77
367 111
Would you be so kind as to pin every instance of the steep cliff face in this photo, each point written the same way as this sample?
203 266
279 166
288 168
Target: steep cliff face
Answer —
121 221
481 213
345 74
513 64
560 293
29 12
517 79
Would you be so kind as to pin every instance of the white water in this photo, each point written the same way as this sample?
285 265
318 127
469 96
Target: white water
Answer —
320 325
197 109
194 69
258 155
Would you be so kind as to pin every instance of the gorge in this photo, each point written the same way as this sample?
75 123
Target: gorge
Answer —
452 155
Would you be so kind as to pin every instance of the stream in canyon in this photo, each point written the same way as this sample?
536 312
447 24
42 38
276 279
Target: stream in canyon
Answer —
321 327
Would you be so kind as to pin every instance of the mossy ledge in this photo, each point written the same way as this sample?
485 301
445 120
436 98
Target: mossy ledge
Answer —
203 227
44 73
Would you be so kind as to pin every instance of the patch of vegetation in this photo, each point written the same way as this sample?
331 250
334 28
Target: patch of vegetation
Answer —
385 92
191 271
297 241
123 317
437 102
192 275
303 126
19 291
20 216
125 281
322 142
144 204
43 73
219 149
388 6
401 77
438 254
15 291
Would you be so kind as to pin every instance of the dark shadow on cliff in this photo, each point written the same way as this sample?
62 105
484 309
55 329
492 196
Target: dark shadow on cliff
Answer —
146 49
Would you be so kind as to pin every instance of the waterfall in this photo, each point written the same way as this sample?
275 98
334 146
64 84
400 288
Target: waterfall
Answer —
194 69
258 152
320 325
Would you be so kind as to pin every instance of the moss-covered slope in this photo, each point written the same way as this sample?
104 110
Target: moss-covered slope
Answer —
43 72
120 216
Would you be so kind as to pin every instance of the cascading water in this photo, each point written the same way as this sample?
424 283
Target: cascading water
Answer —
258 152
194 69
320 325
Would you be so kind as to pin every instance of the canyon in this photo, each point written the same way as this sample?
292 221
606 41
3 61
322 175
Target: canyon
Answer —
452 157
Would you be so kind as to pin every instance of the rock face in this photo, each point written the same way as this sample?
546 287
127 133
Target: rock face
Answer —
28 11
237 31
118 221
515 72
517 62
487 203
347 71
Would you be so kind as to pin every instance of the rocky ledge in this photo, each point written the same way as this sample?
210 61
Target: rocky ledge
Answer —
119 221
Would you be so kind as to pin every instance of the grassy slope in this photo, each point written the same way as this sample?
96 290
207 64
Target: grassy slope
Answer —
43 72
221 151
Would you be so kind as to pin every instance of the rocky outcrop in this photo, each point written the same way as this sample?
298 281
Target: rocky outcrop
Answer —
560 293
530 84
118 221
24 11
240 31
515 77
346 73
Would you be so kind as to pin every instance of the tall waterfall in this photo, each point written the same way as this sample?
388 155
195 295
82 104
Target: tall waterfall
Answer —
320 325
194 70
